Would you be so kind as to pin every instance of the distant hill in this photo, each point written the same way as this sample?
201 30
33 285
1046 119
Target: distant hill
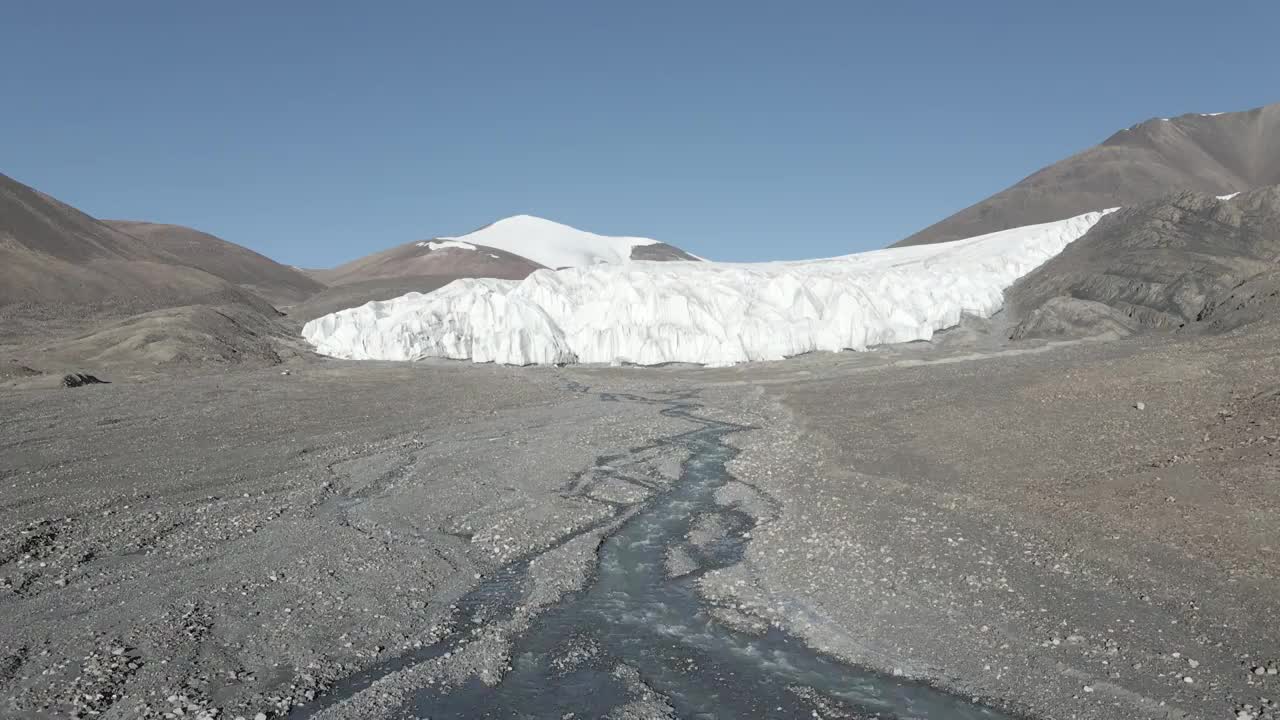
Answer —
279 284
78 293
449 258
556 245
510 248
52 255
1215 153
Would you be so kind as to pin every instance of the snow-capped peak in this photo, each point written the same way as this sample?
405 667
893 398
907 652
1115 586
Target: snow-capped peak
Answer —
553 244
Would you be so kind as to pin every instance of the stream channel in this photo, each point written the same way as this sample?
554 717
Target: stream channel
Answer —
634 614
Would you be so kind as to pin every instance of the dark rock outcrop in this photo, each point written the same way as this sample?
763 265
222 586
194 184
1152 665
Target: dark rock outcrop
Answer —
75 380
661 252
1186 260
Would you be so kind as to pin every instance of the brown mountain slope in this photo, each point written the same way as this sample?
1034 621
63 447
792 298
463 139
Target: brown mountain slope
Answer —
54 255
1213 154
186 335
68 284
33 222
431 258
1189 261
354 294
279 284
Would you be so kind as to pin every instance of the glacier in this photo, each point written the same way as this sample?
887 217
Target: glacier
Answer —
649 313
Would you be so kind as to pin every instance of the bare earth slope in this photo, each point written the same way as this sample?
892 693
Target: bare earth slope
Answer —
277 283
1179 261
1214 154
53 254
431 257
69 284
184 337
510 249
355 294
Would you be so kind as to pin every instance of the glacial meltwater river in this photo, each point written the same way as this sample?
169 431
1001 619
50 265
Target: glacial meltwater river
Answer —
634 614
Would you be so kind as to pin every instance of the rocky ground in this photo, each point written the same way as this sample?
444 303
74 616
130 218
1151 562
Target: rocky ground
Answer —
1085 530
238 542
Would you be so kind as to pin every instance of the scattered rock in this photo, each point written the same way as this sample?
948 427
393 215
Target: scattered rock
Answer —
1270 667
75 380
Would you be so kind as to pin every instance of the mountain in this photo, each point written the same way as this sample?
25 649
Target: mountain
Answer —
449 258
75 291
54 255
353 294
277 283
510 248
1212 153
1188 261
556 245
185 335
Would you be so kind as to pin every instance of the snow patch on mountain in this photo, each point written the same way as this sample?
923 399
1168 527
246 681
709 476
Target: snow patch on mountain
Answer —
442 244
553 244
708 313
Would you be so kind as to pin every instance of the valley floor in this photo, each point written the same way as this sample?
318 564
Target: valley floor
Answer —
1083 531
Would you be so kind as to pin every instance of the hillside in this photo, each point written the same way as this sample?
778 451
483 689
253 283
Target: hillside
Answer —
77 293
1189 260
445 258
354 294
510 249
277 283
52 254
1216 154
57 262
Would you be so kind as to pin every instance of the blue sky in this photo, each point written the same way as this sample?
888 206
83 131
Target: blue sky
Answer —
318 132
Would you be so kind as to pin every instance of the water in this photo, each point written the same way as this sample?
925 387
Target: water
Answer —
634 614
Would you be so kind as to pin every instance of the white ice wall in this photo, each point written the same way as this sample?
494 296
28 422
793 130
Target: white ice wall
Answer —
709 313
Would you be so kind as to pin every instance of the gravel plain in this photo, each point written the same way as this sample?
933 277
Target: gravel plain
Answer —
237 542
1089 530
1086 530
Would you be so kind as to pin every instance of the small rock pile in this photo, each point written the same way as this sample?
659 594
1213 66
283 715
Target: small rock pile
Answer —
1264 710
75 380
103 674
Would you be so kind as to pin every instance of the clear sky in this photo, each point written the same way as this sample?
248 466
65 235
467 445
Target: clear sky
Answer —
316 132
